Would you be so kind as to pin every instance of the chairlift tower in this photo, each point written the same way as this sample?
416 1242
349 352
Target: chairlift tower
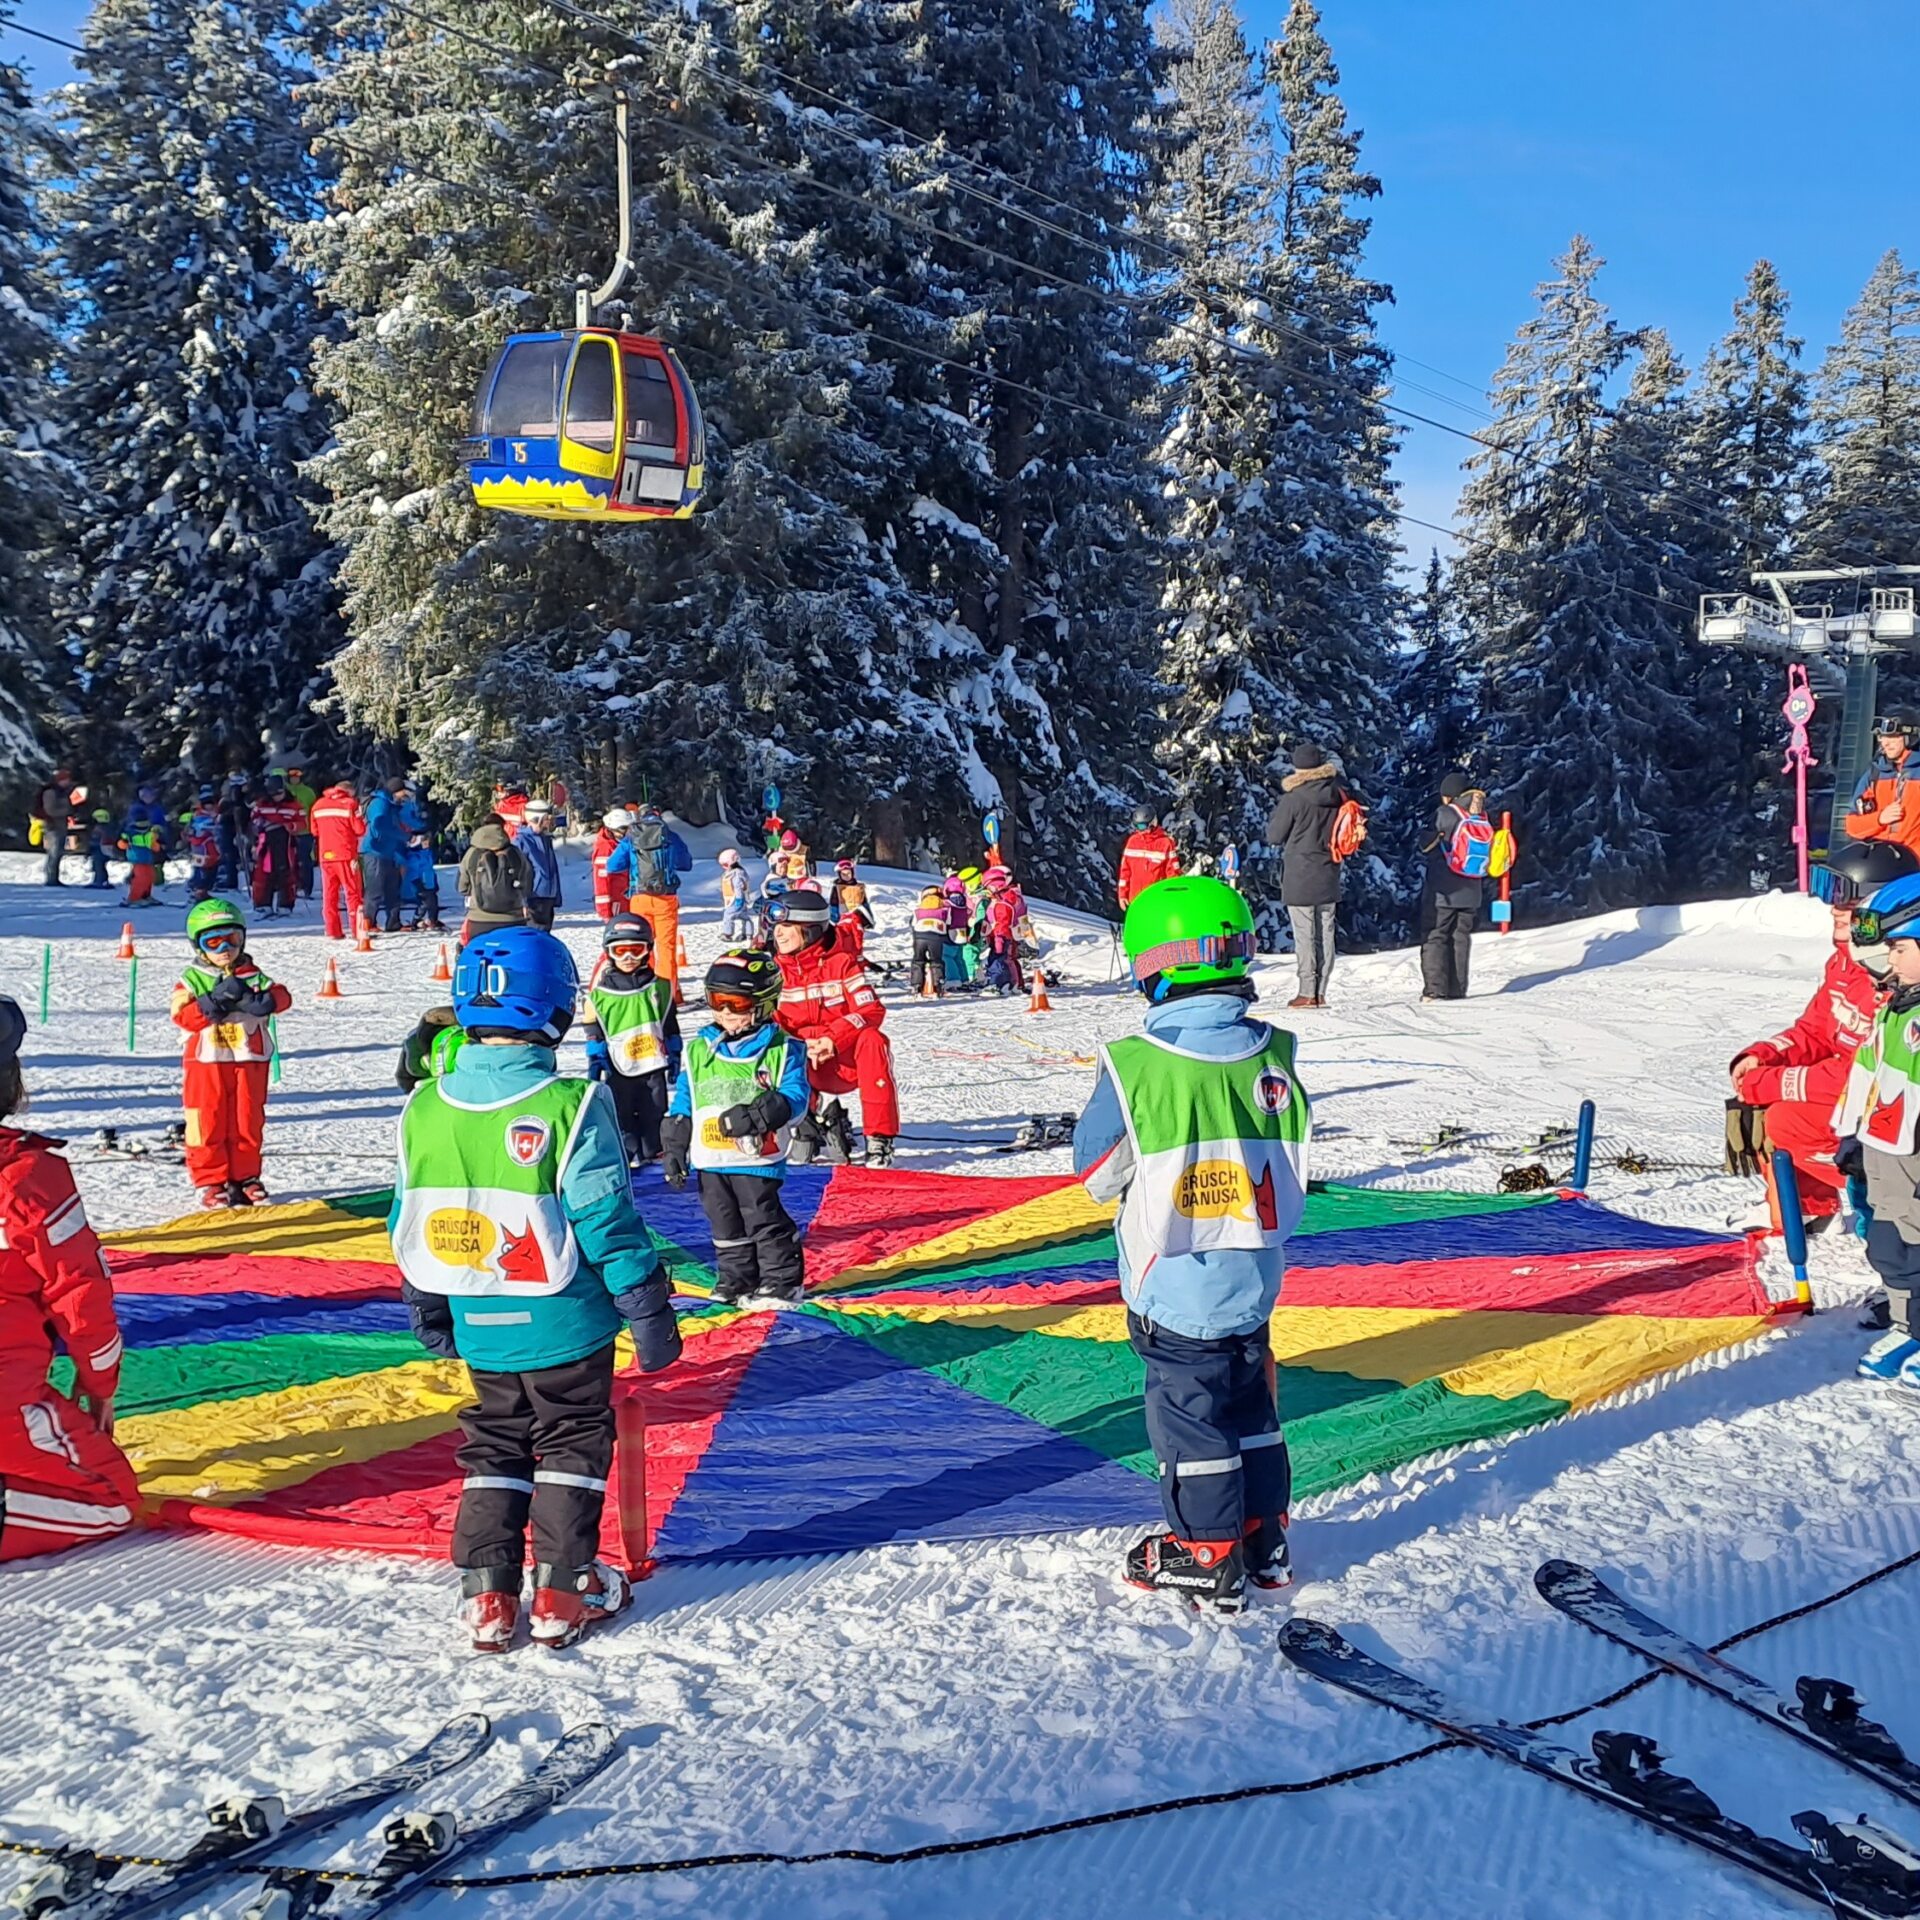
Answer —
1793 621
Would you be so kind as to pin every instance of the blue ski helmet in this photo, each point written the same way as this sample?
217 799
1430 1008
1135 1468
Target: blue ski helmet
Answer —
519 981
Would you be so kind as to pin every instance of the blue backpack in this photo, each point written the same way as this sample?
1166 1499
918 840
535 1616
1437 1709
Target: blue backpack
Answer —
1470 851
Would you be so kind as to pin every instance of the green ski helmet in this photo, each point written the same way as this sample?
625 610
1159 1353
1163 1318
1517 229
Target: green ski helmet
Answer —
1192 931
211 915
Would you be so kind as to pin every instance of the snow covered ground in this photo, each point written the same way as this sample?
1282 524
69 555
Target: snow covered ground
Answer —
914 1695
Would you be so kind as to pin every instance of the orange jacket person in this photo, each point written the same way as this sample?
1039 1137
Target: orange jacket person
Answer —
65 1480
225 1006
1882 807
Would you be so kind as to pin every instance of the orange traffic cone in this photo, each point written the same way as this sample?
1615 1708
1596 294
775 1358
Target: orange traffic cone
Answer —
928 991
363 933
330 986
1039 1003
126 940
442 968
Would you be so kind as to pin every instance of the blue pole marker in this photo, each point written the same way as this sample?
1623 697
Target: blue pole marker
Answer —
1793 1225
770 797
990 827
1583 1147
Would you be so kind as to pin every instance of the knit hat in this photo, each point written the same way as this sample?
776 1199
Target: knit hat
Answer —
1454 785
1306 756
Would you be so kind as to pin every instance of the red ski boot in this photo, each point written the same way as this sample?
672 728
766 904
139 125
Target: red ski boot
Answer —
490 1606
1210 1573
215 1197
566 1602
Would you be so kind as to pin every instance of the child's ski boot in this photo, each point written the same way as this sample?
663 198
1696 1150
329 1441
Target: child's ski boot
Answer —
215 1198
1269 1563
490 1606
1209 1573
836 1130
1888 1355
566 1603
253 1193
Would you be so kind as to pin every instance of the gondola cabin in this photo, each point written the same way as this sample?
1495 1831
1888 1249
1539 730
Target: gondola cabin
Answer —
587 425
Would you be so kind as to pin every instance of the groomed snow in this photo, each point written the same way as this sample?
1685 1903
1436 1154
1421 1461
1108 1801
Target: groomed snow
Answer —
917 1694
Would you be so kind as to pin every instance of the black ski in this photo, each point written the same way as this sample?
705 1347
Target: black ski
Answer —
420 1847
1625 1772
1826 1717
77 1884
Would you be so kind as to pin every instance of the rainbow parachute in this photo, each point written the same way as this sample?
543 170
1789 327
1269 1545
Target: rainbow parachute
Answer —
960 1367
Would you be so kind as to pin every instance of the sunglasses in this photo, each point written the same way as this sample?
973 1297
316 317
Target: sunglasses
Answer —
723 1000
630 950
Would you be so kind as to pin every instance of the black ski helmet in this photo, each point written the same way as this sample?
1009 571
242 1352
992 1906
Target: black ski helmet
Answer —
807 909
1143 818
1905 721
748 973
1861 866
626 930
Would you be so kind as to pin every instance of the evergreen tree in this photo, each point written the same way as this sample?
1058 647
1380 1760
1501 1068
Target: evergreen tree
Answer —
1569 665
1866 417
200 590
1434 704
33 691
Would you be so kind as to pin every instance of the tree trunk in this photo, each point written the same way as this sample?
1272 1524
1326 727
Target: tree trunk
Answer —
889 824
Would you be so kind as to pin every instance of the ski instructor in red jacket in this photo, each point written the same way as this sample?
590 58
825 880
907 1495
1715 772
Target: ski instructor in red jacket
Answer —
63 1478
827 1001
1799 1074
1149 855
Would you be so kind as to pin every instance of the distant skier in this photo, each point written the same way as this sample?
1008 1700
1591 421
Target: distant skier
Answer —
741 1088
1301 826
338 828
143 838
792 859
609 890
65 1481
495 878
225 1005
276 820
632 1033
737 916
100 844
383 850
49 816
650 862
1457 858
1149 855
852 916
1004 912
420 884
928 975
534 838
1199 1128
514 1228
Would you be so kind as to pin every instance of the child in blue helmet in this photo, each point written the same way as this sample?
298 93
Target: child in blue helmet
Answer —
513 1224
1878 1124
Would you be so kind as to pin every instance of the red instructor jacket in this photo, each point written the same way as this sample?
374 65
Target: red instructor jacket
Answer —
1811 1059
53 1280
825 991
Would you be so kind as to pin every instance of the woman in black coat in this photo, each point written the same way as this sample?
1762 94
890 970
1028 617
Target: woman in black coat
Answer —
1301 826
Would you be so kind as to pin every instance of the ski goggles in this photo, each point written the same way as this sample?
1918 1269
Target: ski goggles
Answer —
728 1000
630 950
1209 950
1875 929
1889 723
221 940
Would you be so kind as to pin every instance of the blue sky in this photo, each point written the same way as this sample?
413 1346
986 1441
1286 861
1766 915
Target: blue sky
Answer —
1686 138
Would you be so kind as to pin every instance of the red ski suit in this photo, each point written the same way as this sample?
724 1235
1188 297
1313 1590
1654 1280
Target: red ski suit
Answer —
1149 855
825 992
1799 1075
609 889
337 828
65 1480
228 1063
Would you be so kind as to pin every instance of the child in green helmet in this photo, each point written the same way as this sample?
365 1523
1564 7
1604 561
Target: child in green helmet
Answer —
225 1004
1198 1126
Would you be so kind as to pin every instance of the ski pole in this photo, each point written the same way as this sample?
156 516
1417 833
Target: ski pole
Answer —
1793 1225
273 1032
46 979
1583 1147
133 1001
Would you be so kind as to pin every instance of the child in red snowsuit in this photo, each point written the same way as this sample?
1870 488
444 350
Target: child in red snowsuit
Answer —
225 1006
64 1480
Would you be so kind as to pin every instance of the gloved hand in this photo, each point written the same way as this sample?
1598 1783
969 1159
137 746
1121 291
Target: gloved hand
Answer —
1746 1147
676 1143
737 1122
656 1333
222 1000
257 1003
1851 1158
599 1061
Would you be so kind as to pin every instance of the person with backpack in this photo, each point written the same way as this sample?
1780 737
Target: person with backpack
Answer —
1458 858
1316 825
650 861
496 880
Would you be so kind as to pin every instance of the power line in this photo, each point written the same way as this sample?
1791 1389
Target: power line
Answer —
34 33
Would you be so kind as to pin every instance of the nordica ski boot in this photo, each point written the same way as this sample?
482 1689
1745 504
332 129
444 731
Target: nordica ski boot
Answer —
1269 1563
1209 1573
803 1147
836 1129
566 1602
490 1606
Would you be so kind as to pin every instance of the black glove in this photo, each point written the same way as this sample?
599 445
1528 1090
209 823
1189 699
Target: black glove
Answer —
676 1143
767 1114
737 1122
1746 1138
648 1312
257 1004
1851 1158
223 997
432 1318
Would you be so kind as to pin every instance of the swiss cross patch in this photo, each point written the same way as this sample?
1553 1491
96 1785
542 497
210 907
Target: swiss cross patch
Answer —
1272 1090
527 1138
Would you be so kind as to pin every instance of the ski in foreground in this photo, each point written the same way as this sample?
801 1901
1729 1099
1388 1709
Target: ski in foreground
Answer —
1827 1716
78 1885
422 1846
1849 1868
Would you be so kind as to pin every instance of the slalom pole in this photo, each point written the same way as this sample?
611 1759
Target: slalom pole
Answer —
46 979
133 1003
273 1030
1504 912
1793 1225
1583 1147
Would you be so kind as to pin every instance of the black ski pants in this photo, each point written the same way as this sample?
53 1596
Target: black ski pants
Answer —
536 1447
1446 947
756 1246
640 1099
929 962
